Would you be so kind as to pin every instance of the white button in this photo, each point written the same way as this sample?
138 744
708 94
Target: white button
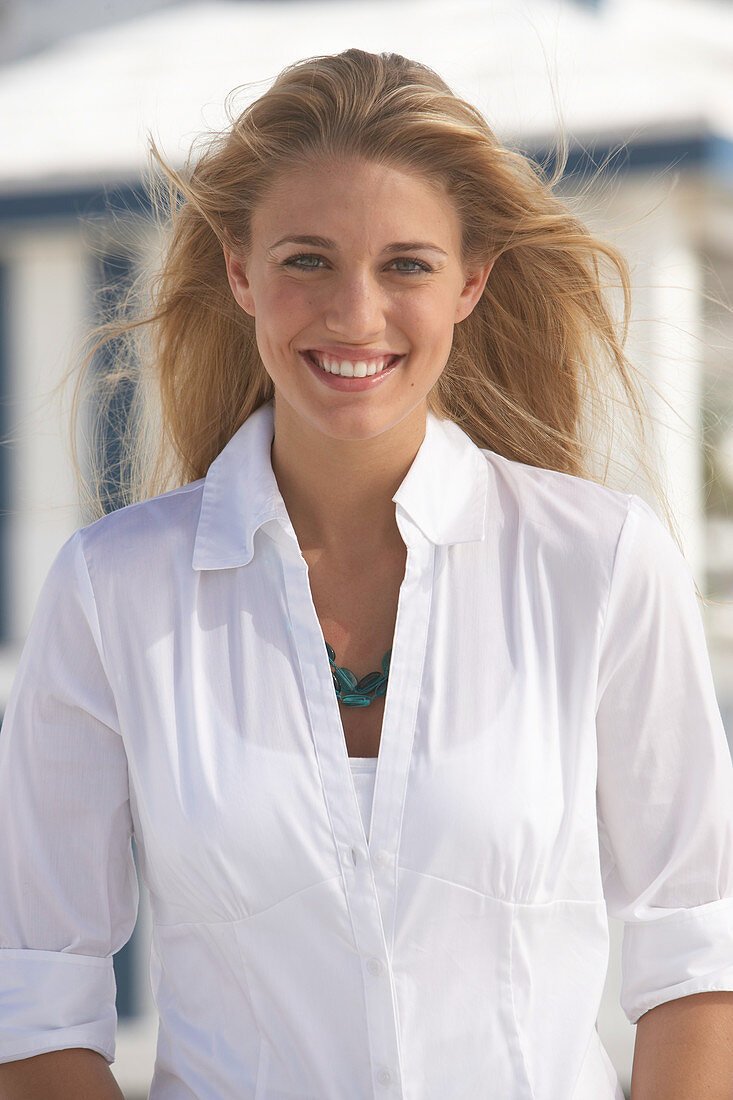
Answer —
374 966
354 855
381 857
384 1077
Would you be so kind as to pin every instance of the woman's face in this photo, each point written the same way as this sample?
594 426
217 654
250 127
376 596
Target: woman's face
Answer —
382 279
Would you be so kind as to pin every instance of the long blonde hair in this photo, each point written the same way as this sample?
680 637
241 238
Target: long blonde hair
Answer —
535 370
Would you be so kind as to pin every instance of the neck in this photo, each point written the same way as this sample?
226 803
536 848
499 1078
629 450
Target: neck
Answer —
338 492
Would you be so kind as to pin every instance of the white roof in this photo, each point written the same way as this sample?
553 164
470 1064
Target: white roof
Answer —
78 113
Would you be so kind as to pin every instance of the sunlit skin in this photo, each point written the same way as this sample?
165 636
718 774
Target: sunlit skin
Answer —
339 457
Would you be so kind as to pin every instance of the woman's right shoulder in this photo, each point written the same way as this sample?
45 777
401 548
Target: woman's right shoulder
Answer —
144 538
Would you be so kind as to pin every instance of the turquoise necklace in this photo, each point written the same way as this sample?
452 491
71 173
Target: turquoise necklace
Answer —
353 693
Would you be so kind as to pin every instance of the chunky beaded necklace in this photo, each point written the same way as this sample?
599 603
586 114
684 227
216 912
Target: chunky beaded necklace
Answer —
353 693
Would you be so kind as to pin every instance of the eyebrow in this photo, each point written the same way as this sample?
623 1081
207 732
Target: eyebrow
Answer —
396 246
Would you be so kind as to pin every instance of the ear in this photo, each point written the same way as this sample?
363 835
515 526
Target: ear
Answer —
472 291
238 281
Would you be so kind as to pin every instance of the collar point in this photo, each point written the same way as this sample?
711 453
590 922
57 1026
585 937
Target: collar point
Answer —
204 559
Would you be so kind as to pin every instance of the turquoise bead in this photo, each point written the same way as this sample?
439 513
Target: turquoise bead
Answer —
368 682
355 700
346 678
361 693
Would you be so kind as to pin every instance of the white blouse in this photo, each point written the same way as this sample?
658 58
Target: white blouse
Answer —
551 750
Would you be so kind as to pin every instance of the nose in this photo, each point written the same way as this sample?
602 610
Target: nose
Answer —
355 308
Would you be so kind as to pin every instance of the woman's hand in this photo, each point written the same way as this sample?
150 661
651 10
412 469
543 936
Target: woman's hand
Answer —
684 1050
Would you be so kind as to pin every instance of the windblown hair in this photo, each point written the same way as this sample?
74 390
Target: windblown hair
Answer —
536 371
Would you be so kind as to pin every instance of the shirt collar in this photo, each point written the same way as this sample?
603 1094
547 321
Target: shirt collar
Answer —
444 493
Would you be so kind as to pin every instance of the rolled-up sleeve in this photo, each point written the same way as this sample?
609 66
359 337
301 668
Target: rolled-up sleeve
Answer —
68 885
665 776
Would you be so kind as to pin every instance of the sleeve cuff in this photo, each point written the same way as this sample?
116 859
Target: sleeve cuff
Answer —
52 1000
688 951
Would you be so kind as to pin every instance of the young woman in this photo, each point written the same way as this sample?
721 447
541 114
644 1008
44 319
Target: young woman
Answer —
397 700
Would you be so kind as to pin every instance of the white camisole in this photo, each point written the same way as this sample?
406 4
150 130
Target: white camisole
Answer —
363 769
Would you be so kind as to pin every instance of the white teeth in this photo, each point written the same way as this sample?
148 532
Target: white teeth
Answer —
347 369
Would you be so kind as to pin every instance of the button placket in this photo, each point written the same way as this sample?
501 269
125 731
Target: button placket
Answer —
400 714
360 889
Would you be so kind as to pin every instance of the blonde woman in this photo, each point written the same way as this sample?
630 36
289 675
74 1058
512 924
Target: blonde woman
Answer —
396 698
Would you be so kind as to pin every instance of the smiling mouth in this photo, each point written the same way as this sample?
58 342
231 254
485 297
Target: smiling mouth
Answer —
358 368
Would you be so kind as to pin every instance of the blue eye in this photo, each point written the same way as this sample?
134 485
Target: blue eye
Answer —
411 260
294 261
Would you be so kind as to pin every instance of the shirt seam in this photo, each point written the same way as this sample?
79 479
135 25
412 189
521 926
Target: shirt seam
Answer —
100 644
96 628
247 916
614 569
515 1018
603 839
504 901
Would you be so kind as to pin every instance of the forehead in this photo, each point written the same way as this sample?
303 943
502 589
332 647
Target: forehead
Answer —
344 196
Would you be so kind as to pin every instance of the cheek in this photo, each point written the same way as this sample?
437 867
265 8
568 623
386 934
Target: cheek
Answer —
430 320
282 299
283 311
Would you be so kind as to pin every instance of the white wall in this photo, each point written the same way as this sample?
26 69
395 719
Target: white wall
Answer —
47 300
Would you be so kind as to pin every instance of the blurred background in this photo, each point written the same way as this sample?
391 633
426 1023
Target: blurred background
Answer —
642 88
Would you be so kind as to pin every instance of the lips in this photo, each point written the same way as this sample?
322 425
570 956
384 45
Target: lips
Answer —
352 354
350 383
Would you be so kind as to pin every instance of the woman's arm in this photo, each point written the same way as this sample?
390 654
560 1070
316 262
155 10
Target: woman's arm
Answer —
68 882
73 1074
684 1049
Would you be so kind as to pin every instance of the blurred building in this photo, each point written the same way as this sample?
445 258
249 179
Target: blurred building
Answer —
644 86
